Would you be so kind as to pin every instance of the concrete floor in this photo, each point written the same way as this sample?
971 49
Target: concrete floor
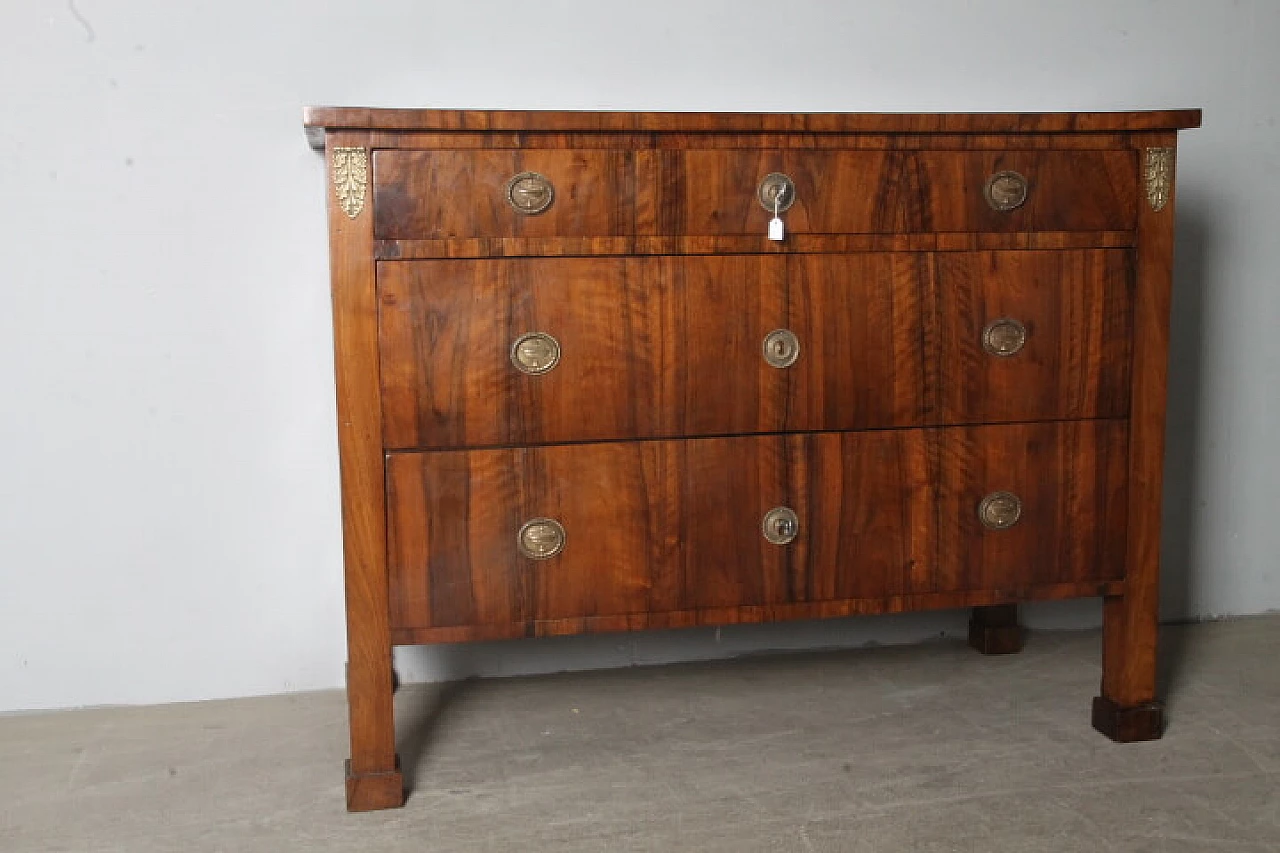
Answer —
924 748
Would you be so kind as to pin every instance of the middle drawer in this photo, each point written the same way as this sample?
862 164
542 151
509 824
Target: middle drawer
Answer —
532 351
484 353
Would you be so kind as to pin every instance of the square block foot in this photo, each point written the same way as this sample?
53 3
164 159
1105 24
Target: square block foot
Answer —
1128 725
993 640
368 792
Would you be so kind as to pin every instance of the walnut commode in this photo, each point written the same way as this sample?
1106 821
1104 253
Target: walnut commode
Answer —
617 371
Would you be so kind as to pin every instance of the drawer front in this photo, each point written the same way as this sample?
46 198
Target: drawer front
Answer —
656 526
444 194
1027 336
1055 504
502 193
716 192
647 347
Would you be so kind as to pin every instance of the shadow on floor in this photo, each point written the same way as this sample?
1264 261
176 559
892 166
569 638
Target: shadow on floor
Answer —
420 717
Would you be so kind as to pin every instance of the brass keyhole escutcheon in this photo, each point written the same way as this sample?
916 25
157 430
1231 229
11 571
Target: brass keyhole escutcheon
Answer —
776 187
1005 190
535 353
530 193
781 348
781 525
1000 510
1004 337
540 538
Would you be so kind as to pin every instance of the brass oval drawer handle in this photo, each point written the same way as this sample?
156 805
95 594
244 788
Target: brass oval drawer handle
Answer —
530 193
776 188
781 348
1006 190
1004 337
535 353
781 525
1000 510
540 538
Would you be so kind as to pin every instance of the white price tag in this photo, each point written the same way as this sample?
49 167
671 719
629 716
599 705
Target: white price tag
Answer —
776 229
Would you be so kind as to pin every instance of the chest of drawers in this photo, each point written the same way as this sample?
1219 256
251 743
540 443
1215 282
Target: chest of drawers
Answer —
580 388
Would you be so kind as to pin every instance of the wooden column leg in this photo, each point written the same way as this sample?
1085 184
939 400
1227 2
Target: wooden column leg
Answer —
1128 710
374 780
373 772
995 630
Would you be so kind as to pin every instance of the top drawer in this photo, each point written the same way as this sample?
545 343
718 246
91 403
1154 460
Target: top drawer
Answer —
432 195
716 193
445 194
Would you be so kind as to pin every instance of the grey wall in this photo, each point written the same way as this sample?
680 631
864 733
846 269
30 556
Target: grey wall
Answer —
169 512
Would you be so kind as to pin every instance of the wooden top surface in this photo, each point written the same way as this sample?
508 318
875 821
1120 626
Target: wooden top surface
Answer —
360 118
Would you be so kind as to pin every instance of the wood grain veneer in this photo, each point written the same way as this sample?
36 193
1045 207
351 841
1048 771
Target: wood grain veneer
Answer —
320 119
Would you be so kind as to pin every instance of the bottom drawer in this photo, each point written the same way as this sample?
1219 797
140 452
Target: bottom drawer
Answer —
1032 505
518 536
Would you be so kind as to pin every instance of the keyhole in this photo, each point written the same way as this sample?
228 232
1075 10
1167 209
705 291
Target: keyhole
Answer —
774 192
780 348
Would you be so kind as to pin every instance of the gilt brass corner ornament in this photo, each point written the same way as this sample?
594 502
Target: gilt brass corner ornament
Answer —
350 178
1158 170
